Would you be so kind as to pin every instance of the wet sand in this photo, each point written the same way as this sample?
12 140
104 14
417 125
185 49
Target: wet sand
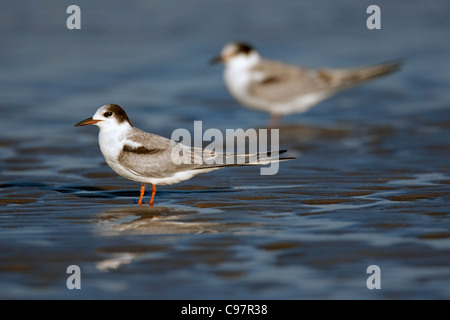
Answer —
308 232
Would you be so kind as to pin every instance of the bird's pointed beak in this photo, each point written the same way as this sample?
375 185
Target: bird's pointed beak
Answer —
216 60
86 122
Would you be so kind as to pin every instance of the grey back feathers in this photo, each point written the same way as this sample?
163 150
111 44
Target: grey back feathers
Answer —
283 82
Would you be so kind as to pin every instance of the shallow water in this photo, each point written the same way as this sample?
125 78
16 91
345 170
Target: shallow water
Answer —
370 185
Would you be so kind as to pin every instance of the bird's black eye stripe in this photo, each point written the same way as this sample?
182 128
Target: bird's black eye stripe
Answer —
108 114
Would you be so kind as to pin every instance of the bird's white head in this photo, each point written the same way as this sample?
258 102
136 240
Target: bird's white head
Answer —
238 54
109 116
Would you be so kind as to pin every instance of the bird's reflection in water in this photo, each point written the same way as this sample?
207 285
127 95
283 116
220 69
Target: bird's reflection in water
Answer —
167 220
116 260
175 219
166 223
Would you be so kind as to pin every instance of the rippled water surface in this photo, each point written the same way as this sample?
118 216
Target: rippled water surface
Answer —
370 185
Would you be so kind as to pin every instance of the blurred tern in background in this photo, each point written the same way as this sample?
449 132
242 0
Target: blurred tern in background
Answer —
282 89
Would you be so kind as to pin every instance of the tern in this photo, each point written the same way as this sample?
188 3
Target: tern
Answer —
282 89
152 159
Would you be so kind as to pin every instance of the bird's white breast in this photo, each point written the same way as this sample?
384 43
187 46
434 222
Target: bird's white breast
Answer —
239 75
112 141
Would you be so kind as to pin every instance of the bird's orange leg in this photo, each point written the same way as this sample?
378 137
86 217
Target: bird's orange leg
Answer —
153 195
142 194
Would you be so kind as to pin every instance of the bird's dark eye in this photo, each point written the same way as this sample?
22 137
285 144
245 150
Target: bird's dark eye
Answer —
108 114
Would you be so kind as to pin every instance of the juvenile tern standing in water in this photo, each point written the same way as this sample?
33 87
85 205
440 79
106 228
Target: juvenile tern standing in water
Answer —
149 159
282 89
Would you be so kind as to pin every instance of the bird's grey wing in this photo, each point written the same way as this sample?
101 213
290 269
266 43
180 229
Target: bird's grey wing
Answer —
150 155
279 82
346 78
217 160
154 156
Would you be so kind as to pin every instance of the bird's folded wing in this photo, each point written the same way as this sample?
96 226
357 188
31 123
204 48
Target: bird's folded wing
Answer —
278 82
150 155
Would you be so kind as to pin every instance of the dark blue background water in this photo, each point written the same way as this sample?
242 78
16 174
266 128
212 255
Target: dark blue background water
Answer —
370 185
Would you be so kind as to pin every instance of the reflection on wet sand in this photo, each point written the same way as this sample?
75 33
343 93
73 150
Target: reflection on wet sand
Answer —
167 222
116 261
146 220
154 220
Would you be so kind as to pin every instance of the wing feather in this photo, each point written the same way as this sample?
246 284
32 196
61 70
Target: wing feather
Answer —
280 82
150 155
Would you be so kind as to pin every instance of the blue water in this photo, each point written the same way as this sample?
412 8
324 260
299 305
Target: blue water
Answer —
370 184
